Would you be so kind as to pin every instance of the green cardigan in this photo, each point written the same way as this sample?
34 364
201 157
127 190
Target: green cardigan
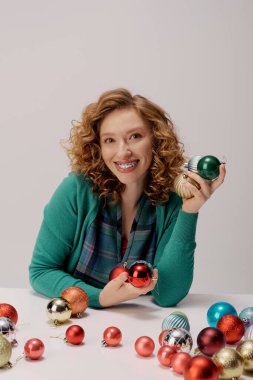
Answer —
72 209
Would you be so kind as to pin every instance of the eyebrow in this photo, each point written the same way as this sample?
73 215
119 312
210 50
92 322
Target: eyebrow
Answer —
130 131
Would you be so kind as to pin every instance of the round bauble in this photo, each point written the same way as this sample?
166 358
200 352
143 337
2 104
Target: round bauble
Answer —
8 329
246 315
140 274
245 349
179 362
115 272
111 337
249 332
201 368
5 351
208 167
165 354
179 338
229 362
77 298
232 327
34 349
9 311
176 319
210 340
161 335
193 163
144 346
59 310
217 310
74 334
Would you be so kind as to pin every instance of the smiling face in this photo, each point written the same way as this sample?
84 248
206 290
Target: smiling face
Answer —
126 146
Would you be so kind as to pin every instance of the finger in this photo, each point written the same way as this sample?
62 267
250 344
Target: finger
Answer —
117 282
204 185
219 181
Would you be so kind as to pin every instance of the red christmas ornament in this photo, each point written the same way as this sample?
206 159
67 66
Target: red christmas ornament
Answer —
210 340
112 337
34 348
160 338
201 368
115 272
144 346
232 327
9 311
179 362
77 298
165 355
75 335
140 274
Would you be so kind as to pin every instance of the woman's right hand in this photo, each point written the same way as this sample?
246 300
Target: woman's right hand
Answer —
118 290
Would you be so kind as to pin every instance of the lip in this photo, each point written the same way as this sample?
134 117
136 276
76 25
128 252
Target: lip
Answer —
124 161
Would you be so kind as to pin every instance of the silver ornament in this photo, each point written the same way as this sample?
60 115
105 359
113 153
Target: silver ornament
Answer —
8 329
176 319
246 315
59 310
179 338
249 333
193 163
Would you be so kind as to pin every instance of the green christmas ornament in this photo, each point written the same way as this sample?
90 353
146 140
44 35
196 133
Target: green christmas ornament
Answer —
208 167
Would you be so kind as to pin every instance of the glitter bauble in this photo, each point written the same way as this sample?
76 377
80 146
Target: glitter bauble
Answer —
232 327
111 337
77 298
201 368
249 332
208 167
179 362
210 340
217 310
140 274
246 315
179 338
74 335
165 354
229 362
59 310
245 349
176 319
115 272
144 346
5 351
9 311
8 329
34 349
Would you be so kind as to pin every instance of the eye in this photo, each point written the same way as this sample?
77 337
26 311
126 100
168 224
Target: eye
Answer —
135 136
108 140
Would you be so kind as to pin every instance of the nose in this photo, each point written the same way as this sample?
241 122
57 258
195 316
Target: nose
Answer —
124 150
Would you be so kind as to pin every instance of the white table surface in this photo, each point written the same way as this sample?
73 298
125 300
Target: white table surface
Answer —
90 360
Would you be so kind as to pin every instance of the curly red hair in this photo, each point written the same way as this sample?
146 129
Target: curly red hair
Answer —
84 151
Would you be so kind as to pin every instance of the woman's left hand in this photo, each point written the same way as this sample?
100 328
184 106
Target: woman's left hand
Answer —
200 196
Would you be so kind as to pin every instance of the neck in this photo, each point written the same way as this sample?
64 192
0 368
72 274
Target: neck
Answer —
131 195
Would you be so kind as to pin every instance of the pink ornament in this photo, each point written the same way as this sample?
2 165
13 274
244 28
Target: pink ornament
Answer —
144 346
75 334
112 336
165 355
179 362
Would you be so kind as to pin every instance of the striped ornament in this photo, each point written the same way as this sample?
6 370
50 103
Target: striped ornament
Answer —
177 319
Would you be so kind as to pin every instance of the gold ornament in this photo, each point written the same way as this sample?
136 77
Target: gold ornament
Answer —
5 351
245 349
58 310
179 187
230 363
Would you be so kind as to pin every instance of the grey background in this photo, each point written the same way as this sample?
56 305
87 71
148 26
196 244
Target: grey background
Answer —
194 58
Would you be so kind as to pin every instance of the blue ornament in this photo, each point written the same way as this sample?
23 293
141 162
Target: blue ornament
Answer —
177 319
246 315
217 310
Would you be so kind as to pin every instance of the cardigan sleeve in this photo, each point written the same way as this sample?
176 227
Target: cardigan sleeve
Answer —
54 244
175 259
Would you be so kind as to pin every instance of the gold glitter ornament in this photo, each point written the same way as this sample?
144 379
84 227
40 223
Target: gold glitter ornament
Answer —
245 349
179 187
59 310
5 351
229 362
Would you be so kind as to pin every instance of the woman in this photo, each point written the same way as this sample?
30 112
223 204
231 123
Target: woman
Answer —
117 205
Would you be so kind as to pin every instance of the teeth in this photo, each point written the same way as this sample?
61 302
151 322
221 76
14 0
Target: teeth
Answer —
129 165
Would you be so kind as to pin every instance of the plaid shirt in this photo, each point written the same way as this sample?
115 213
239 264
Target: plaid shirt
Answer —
102 247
